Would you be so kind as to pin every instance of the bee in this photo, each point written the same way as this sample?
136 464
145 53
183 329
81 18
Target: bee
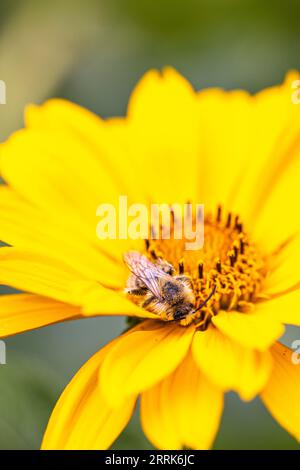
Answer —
158 289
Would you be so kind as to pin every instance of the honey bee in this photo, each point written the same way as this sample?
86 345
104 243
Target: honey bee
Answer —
158 289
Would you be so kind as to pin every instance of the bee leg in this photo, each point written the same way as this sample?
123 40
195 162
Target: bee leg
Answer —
137 291
148 301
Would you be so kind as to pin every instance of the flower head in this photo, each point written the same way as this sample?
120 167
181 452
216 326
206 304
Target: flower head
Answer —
238 155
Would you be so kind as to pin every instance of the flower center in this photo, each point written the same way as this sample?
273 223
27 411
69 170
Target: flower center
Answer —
226 273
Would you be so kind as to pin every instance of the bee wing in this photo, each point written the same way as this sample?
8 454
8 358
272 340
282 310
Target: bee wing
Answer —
146 271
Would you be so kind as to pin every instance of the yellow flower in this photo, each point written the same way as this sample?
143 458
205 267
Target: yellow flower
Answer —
239 155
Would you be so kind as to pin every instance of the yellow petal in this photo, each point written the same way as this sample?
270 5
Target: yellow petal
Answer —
26 227
23 312
65 178
81 419
158 416
285 146
254 144
281 395
230 365
285 271
223 157
44 276
183 410
107 138
35 273
143 357
279 145
274 200
58 113
55 170
284 308
252 330
278 220
97 300
164 136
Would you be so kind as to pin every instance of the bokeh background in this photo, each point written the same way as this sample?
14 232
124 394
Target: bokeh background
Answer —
93 52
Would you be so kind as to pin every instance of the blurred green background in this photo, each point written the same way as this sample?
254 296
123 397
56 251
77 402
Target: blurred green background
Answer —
93 52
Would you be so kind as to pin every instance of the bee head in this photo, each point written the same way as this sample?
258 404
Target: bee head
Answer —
182 311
